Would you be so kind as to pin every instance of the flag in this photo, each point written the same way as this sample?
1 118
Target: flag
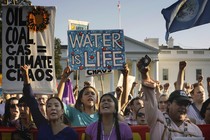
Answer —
118 5
185 14
68 95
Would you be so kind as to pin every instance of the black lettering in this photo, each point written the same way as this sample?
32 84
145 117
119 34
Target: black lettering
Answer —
49 75
20 50
29 41
8 62
21 22
15 35
7 35
9 50
49 62
39 74
10 76
89 72
22 36
10 16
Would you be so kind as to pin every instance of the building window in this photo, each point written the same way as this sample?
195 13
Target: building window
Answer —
165 74
198 73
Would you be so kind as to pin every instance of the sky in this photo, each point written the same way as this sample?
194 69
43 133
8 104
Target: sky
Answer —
140 19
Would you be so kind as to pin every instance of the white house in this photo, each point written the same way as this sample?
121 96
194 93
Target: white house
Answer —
164 65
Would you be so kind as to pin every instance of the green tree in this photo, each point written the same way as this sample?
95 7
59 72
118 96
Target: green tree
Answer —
0 34
57 53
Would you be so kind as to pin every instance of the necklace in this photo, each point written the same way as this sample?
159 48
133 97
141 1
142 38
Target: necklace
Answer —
109 132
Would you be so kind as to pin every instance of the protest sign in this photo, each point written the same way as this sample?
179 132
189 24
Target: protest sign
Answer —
96 49
28 38
97 72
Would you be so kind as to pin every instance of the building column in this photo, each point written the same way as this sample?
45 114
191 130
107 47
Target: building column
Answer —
134 67
156 69
112 81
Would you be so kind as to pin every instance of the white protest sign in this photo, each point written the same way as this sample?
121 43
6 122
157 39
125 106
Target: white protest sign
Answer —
28 38
130 81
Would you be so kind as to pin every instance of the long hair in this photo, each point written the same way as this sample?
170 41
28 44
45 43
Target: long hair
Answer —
65 118
7 115
115 114
79 104
203 108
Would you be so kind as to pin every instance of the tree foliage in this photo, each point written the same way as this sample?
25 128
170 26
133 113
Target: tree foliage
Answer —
1 36
57 53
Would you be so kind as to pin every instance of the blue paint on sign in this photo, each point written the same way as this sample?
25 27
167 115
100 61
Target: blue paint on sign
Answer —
96 49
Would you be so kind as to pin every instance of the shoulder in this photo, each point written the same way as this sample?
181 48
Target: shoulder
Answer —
124 125
92 125
68 131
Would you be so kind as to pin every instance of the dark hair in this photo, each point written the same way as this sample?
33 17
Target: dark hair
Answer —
61 103
136 98
115 118
65 118
7 115
203 108
78 103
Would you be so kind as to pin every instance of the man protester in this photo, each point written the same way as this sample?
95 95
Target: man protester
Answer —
174 122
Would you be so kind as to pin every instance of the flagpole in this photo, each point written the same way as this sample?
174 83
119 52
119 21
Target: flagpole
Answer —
119 14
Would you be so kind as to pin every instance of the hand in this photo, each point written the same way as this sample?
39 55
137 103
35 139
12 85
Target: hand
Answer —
125 70
200 78
67 71
119 91
182 65
146 80
24 70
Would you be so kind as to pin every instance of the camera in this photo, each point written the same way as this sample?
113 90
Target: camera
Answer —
145 61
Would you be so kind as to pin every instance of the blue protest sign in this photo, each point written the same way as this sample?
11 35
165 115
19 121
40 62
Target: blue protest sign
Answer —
96 49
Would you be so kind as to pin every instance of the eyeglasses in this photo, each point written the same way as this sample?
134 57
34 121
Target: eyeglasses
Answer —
141 114
13 106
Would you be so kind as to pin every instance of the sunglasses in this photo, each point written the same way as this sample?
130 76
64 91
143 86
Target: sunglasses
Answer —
13 106
141 114
22 105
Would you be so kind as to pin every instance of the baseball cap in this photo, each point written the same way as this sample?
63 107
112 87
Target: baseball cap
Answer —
179 95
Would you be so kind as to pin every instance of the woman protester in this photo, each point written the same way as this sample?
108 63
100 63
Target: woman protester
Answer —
53 128
108 127
11 114
84 111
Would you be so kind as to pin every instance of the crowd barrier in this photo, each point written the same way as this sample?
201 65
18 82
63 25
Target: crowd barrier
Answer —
139 132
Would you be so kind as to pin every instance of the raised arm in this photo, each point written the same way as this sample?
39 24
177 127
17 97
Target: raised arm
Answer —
30 99
67 71
125 94
180 78
208 86
150 102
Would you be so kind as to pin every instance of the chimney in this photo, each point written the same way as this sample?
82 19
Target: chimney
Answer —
170 42
152 42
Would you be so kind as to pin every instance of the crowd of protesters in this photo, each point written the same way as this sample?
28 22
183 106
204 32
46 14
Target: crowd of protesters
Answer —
168 115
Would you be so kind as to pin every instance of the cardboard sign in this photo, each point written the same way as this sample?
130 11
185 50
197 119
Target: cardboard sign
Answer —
96 49
28 38
97 72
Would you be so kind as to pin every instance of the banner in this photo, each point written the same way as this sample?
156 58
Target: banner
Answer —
78 25
28 38
96 49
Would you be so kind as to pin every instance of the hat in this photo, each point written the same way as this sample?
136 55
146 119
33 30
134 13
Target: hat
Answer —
179 95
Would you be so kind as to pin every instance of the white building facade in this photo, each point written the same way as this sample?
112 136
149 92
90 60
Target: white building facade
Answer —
164 65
